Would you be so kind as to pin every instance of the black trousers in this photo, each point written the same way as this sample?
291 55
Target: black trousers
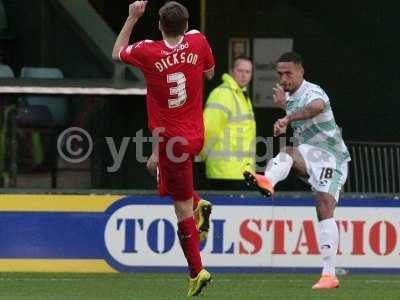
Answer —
226 185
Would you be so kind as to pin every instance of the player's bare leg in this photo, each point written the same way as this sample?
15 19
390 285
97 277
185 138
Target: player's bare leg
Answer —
328 240
277 170
183 209
299 165
189 239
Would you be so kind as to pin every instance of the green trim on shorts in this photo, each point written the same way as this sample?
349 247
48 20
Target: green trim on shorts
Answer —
335 182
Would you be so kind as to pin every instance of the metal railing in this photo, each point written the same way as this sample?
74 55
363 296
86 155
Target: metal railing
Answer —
374 167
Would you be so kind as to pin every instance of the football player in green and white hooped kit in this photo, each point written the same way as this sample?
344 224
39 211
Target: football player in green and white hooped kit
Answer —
319 154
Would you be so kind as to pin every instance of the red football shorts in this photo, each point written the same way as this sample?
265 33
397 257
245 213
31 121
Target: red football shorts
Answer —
175 165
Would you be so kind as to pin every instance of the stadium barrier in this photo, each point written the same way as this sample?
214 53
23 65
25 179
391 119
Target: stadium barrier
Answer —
114 233
375 167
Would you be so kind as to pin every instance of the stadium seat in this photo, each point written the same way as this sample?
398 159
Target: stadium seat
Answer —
6 109
14 121
56 104
6 72
43 115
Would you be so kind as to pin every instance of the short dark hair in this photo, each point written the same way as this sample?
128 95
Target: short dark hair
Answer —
173 18
240 57
293 57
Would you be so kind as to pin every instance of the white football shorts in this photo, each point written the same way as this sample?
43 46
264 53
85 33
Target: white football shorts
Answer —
326 173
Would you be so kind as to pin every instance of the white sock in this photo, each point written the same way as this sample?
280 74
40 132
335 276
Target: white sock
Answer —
278 168
328 242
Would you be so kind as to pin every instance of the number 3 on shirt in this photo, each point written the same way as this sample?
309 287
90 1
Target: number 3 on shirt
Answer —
179 90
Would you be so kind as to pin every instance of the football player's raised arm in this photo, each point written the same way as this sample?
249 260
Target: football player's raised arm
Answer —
136 10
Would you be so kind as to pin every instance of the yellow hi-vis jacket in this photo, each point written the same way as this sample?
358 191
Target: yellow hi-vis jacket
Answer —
230 132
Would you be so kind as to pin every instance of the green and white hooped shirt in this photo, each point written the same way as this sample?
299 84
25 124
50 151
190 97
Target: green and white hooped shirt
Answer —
320 131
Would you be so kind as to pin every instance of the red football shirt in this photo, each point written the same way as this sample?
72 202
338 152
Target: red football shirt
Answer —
174 77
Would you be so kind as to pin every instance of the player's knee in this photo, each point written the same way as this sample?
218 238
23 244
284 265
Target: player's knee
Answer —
294 154
184 209
289 150
299 165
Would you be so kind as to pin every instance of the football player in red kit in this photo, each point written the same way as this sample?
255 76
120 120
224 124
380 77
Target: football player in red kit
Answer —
174 69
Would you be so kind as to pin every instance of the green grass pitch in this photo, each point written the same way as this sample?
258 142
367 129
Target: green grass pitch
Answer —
144 286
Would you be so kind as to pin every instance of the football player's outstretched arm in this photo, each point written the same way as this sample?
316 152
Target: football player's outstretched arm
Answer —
309 111
136 10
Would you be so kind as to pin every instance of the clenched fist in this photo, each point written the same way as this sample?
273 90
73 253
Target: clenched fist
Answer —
137 8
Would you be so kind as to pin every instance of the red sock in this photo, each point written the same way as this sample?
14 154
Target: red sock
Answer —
189 239
196 199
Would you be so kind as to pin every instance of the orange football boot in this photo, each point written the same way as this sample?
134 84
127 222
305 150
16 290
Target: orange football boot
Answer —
260 182
326 282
